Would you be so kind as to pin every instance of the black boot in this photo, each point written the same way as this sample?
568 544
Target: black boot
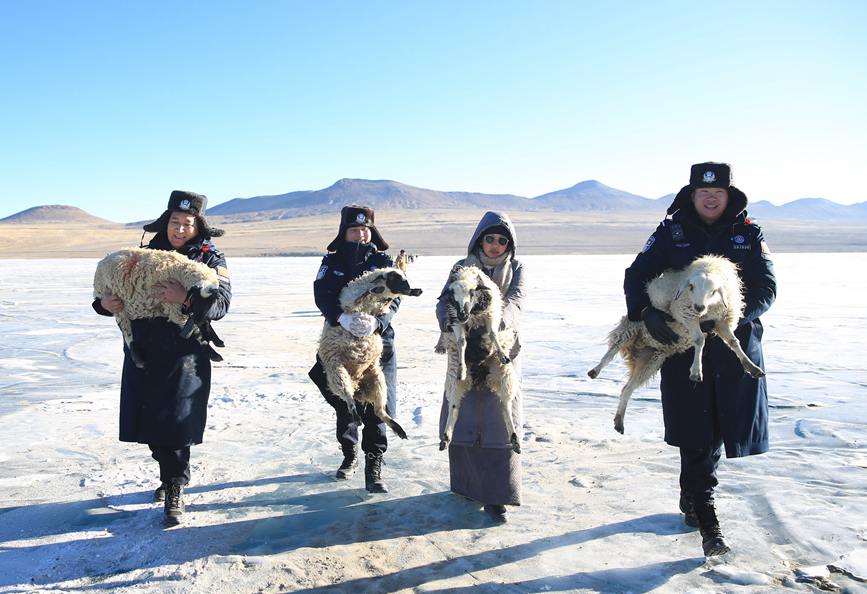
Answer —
373 473
688 510
711 536
160 493
174 506
497 512
349 464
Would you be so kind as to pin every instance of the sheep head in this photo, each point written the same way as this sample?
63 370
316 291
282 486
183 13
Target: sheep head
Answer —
373 291
702 290
466 295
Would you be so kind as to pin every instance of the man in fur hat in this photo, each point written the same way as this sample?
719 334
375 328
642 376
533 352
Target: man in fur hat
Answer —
729 407
357 248
164 404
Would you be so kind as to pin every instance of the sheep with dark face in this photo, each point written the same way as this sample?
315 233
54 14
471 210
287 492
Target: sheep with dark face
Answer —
351 363
131 275
709 289
474 311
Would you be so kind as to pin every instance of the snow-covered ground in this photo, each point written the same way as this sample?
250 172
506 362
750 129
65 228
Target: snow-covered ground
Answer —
264 514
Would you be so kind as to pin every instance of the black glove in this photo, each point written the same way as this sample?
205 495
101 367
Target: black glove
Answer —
656 322
707 325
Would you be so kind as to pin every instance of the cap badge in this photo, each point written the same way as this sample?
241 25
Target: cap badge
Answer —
709 177
360 218
185 204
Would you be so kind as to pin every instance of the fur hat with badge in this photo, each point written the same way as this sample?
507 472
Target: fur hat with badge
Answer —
710 175
188 202
357 216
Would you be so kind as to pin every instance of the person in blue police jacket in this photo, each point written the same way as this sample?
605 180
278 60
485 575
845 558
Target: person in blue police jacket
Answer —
357 248
728 408
164 404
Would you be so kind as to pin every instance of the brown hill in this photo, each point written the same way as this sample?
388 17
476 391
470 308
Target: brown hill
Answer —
54 213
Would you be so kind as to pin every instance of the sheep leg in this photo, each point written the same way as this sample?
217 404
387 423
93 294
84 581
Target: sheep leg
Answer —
644 365
606 359
498 348
461 367
503 390
442 344
698 340
125 326
340 382
728 337
373 388
454 391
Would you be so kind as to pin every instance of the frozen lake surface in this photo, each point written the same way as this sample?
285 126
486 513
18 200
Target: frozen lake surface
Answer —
600 509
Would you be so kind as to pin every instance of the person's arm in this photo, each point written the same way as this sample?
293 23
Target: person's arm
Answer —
513 302
648 264
326 291
760 283
217 305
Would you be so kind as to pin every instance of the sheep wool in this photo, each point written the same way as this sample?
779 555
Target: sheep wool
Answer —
131 274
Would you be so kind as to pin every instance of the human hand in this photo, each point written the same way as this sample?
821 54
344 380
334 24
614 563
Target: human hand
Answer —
656 322
170 291
111 303
358 324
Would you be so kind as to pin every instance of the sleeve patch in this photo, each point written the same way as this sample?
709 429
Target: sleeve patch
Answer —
322 270
649 243
223 271
765 248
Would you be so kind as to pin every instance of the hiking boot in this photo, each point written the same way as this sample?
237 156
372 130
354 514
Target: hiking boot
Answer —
712 542
373 473
497 512
688 510
160 493
174 506
349 464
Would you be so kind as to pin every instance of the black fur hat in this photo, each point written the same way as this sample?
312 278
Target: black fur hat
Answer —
357 216
710 175
188 202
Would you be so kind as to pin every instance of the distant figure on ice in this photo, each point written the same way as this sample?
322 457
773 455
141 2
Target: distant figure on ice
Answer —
728 407
482 464
164 403
357 248
402 261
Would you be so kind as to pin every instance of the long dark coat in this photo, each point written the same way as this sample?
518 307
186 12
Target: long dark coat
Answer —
165 403
482 465
729 404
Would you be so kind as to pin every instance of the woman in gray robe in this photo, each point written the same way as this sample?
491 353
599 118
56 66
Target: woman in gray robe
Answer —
482 464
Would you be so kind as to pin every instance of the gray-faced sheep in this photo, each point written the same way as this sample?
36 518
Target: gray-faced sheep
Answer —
474 310
351 363
708 289
131 274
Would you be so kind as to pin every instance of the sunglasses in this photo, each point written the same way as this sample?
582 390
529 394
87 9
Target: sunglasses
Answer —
497 239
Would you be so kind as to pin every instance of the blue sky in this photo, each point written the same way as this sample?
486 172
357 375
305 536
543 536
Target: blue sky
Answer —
110 105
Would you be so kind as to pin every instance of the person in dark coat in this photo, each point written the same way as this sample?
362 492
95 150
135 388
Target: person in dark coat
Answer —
164 404
482 465
357 248
728 408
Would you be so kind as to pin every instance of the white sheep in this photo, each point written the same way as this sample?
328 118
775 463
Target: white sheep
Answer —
708 289
474 309
131 275
352 363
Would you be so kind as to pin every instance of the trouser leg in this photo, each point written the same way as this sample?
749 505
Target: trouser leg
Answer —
373 437
698 473
347 428
174 464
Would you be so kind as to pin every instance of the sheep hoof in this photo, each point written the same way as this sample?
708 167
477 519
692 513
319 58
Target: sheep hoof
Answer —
397 428
593 373
440 350
696 377
516 446
443 444
757 373
618 424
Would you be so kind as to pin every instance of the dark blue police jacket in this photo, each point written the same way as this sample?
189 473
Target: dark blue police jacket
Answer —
729 404
350 261
166 402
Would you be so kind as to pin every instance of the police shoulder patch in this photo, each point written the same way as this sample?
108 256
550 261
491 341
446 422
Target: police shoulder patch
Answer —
765 248
649 243
223 271
322 270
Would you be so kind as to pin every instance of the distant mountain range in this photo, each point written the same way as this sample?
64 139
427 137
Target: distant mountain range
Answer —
586 196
